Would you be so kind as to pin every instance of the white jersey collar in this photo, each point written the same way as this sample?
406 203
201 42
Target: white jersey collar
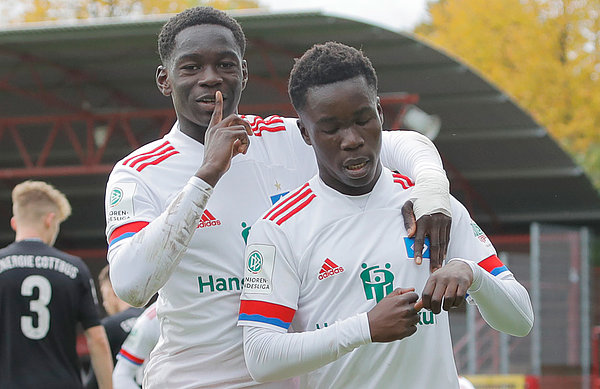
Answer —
381 189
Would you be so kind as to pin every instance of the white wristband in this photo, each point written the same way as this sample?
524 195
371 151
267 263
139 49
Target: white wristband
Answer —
431 193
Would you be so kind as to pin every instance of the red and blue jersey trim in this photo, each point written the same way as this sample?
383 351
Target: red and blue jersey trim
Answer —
267 313
125 231
131 358
493 265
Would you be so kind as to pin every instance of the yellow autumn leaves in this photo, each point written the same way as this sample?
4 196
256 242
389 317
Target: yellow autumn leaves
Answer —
544 53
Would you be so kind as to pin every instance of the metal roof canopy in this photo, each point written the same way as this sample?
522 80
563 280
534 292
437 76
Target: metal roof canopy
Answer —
78 97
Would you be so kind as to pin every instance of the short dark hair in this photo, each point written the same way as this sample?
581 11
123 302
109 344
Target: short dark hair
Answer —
325 64
194 17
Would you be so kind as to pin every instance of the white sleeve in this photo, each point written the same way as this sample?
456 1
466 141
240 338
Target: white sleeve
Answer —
124 375
141 264
413 154
142 338
503 302
272 355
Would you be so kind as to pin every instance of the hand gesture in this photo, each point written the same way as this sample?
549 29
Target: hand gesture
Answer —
224 139
394 317
436 226
450 284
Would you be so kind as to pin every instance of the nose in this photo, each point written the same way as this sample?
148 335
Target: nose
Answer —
351 138
210 76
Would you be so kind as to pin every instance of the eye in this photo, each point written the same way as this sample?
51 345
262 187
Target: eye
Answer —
190 67
363 120
330 131
227 65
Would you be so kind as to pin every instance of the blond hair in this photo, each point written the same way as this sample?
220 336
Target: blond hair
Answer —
34 199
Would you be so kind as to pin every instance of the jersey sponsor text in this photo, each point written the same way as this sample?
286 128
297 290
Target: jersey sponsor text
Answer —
38 262
212 284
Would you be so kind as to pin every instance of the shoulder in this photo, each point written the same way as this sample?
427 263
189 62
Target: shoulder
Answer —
151 154
270 125
150 312
74 260
288 210
402 180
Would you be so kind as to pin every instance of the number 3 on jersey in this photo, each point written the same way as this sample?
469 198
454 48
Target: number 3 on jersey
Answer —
38 306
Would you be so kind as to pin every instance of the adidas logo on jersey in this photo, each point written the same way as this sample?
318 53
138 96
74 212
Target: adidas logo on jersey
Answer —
329 268
208 220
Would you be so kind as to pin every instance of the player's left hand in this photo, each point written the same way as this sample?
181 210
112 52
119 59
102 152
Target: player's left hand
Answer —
436 227
450 284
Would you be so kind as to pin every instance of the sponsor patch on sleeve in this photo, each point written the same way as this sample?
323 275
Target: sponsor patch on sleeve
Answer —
120 202
258 275
479 234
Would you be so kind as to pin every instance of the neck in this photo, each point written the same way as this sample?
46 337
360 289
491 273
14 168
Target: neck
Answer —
123 306
31 234
192 130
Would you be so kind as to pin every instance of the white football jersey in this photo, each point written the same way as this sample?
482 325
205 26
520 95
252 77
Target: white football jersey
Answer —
141 340
200 344
198 306
319 256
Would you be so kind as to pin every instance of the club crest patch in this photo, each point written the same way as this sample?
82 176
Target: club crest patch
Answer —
410 248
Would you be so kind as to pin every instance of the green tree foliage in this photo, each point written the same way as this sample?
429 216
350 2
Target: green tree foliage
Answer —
545 53
42 10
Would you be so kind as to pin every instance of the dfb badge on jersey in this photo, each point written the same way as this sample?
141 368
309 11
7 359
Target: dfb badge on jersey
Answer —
260 261
120 202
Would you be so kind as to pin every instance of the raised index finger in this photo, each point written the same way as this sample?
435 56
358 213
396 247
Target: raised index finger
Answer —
217 114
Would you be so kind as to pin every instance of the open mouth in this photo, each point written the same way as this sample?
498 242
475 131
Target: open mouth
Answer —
357 166
206 100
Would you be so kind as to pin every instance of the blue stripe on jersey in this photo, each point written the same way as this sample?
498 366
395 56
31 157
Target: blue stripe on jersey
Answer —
499 270
264 319
131 358
121 237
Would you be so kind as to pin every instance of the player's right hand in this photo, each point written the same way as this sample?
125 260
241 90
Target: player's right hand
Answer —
224 139
394 317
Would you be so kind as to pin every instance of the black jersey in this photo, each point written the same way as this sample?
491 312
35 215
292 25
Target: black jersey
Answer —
118 327
44 294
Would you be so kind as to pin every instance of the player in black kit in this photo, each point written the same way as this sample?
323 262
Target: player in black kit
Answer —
118 324
44 294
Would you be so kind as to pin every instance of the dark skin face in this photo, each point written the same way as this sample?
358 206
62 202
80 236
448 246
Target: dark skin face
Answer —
343 123
205 59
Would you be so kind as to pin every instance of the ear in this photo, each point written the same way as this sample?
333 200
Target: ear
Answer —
304 132
162 80
244 74
380 110
49 219
13 224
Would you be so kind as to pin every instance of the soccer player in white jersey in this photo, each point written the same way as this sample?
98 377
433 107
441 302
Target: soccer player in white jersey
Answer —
329 280
128 372
172 229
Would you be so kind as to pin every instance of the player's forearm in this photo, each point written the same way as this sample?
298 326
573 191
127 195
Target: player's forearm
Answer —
142 264
273 356
503 302
100 356
415 155
124 375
